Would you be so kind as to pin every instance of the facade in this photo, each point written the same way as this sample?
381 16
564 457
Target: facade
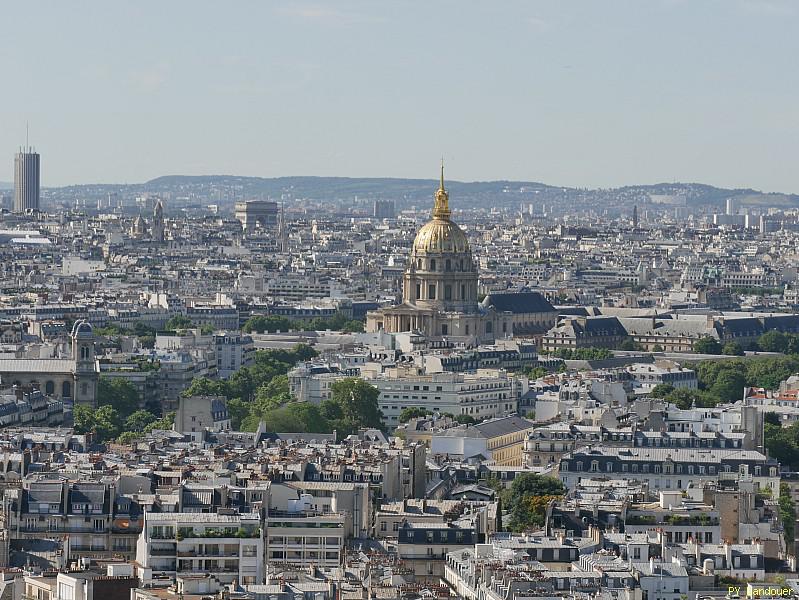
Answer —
229 545
83 517
257 215
481 395
439 286
26 180
500 441
72 378
158 222
233 351
585 332
670 468
196 414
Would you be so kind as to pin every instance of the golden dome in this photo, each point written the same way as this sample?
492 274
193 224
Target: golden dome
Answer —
440 235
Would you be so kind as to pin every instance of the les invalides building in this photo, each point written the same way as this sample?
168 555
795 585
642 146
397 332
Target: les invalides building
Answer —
439 290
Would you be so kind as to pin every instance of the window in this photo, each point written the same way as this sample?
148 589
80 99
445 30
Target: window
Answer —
447 292
418 291
433 264
463 292
431 291
444 329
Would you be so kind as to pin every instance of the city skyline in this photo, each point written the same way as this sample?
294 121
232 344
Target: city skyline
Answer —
579 95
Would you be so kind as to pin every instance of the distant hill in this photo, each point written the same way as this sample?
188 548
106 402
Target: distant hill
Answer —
476 192
408 192
338 187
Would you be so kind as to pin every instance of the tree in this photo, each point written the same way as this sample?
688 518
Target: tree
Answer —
207 329
143 330
661 390
787 514
352 326
683 398
138 421
782 444
411 412
165 423
528 498
773 341
629 344
465 419
119 393
104 422
205 386
657 348
707 345
277 389
536 373
238 410
732 349
302 417
83 419
179 322
772 418
729 386
352 405
261 324
126 437
583 353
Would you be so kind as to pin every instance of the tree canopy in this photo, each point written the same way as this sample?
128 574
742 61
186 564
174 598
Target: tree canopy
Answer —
527 500
707 345
119 393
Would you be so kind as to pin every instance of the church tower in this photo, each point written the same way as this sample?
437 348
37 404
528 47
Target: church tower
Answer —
83 353
158 222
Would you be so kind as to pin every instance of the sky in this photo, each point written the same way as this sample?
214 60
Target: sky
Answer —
583 93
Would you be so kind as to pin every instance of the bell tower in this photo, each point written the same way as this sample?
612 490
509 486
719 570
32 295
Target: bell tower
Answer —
83 353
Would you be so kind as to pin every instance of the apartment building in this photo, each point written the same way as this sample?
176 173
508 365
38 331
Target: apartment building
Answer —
229 545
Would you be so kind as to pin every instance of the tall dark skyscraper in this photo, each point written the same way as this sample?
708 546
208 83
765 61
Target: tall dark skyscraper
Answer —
26 180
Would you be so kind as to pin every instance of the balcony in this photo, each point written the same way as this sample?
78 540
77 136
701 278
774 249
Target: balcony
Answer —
223 532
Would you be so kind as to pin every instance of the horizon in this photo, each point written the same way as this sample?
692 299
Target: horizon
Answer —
10 184
584 95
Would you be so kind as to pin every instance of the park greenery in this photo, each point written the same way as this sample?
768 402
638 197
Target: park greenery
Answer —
787 514
261 393
527 498
118 415
274 323
781 442
417 412
580 353
724 381
256 393
146 334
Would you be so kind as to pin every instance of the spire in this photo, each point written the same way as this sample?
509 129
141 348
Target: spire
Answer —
441 207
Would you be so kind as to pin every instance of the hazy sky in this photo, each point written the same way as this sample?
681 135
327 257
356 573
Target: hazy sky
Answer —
589 93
